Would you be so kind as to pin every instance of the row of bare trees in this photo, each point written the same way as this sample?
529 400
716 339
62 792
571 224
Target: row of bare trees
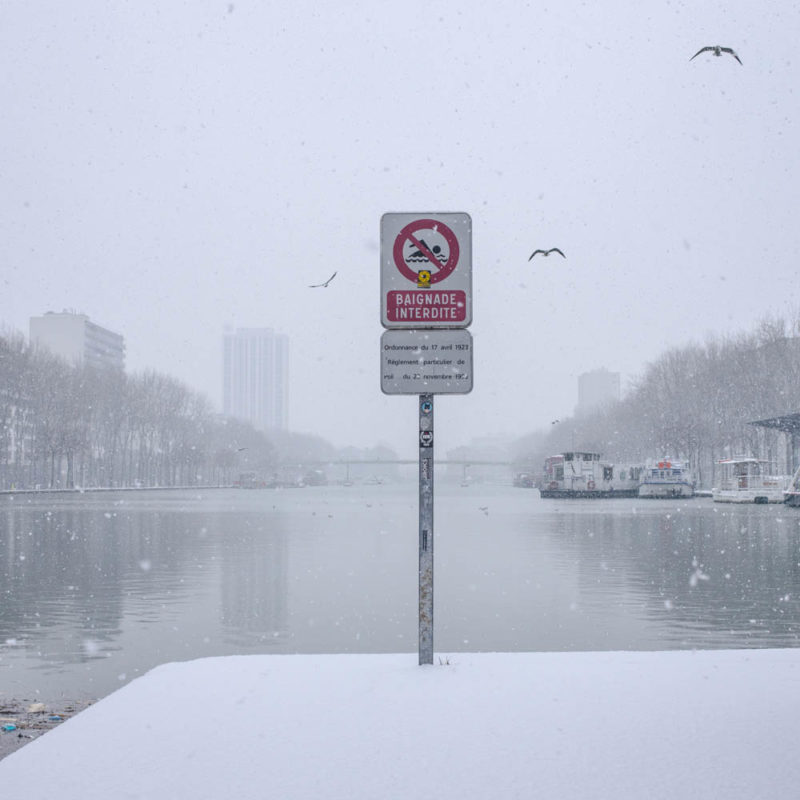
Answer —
64 426
695 403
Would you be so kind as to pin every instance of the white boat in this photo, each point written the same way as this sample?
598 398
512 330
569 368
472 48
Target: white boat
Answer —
791 495
666 478
747 480
578 474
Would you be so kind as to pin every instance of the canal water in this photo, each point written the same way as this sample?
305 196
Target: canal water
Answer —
98 588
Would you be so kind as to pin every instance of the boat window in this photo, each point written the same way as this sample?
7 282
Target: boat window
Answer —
567 456
622 474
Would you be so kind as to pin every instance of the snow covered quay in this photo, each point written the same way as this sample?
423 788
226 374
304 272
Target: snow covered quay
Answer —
521 725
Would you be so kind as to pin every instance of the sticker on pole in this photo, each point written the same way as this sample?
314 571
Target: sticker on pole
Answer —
426 270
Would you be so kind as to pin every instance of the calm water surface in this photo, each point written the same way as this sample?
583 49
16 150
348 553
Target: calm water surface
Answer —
96 589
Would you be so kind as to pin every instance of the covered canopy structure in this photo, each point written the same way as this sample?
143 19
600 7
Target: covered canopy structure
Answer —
790 425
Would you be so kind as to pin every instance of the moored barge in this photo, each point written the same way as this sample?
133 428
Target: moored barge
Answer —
583 475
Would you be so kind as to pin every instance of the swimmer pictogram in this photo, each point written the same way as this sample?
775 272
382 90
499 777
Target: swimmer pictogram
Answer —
419 255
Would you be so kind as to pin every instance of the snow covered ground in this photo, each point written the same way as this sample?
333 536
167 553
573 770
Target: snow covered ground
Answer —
707 724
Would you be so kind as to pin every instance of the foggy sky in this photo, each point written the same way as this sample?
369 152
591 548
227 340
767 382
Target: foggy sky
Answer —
172 167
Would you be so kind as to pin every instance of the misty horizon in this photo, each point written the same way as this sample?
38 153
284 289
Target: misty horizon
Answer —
173 171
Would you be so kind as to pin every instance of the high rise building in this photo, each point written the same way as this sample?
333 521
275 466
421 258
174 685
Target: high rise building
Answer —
77 339
255 377
597 388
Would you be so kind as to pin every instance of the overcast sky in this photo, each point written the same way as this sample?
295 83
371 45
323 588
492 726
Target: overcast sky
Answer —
172 167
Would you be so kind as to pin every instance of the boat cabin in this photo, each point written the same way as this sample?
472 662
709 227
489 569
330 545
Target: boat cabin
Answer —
748 480
666 478
742 473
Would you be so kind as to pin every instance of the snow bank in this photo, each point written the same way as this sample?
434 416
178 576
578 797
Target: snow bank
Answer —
554 725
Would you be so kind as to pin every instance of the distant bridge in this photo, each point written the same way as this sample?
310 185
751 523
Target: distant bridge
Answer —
376 463
466 462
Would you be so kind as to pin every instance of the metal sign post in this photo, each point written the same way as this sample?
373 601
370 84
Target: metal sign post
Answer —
426 295
426 529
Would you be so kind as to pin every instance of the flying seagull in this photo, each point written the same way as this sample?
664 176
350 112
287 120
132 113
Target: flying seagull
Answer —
547 252
717 50
323 285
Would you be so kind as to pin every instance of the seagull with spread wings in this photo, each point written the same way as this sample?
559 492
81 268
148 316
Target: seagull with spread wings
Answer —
323 285
717 50
547 252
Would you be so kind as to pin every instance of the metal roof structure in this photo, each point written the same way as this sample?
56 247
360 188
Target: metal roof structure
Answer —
788 423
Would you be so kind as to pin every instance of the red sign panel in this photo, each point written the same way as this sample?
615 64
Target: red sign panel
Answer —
429 305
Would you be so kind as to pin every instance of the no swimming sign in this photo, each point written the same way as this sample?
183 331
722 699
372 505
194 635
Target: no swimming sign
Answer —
426 270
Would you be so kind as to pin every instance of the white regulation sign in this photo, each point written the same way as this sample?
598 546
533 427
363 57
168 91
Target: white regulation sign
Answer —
426 362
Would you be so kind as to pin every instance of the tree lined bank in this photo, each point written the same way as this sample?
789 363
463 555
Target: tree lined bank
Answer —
694 403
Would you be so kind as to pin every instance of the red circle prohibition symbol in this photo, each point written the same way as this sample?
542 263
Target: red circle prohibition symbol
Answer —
443 269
